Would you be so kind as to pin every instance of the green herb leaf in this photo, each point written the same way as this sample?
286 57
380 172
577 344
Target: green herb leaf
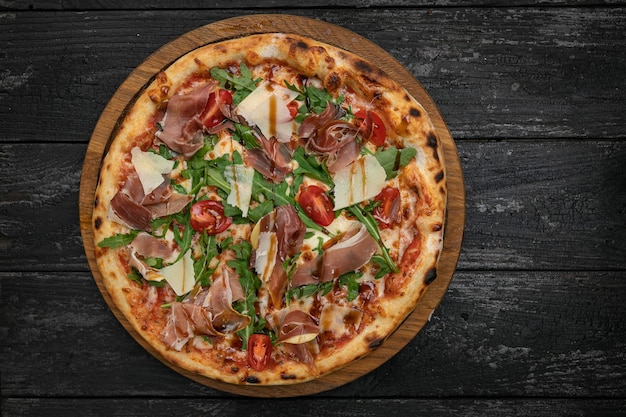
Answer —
118 240
250 283
311 168
245 135
349 280
242 85
383 267
392 159
209 250
372 227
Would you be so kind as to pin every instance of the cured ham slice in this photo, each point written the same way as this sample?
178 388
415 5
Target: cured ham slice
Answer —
326 135
136 210
209 313
351 252
222 293
182 126
289 231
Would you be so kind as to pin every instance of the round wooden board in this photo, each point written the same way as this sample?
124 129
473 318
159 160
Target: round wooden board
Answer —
324 32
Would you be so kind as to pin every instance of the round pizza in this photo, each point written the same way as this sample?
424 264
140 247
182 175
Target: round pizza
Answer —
270 209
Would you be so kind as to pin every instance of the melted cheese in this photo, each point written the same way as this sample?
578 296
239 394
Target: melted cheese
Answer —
240 178
266 108
339 319
180 275
361 180
265 258
150 168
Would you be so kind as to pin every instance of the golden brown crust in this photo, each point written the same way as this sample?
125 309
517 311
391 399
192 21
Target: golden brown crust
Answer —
423 185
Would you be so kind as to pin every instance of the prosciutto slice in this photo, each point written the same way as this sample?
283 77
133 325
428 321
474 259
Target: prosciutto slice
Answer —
351 252
182 125
271 159
327 135
209 313
289 230
136 210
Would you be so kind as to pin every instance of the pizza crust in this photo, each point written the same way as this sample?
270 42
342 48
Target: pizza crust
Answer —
337 69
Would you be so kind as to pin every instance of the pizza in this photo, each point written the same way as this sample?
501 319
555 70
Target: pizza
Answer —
270 209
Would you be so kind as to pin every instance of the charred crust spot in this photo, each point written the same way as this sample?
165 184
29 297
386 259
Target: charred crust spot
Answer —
432 142
302 45
234 369
436 227
439 176
363 66
407 98
414 112
287 376
97 223
333 81
431 275
251 379
96 201
374 344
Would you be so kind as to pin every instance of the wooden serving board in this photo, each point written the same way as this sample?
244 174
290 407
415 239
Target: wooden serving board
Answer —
331 34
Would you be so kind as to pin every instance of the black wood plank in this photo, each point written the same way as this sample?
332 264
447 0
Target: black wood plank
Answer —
545 205
496 334
280 4
494 72
120 407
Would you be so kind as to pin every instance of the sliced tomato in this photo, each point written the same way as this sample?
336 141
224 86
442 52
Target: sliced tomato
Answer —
212 115
387 213
317 204
208 215
372 122
292 106
259 351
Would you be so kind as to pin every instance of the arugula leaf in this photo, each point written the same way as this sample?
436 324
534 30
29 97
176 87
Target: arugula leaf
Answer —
383 267
118 240
307 290
311 168
255 214
209 249
242 85
392 159
315 99
372 227
245 135
250 283
349 279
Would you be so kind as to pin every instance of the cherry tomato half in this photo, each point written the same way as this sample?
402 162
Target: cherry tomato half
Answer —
387 213
292 106
317 204
212 116
379 131
259 351
209 215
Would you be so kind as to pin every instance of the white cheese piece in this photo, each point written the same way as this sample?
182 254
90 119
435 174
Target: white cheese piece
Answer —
150 168
180 275
301 338
265 258
266 108
338 319
341 224
361 180
240 178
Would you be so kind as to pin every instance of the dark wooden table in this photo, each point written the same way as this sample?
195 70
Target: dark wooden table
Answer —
533 324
